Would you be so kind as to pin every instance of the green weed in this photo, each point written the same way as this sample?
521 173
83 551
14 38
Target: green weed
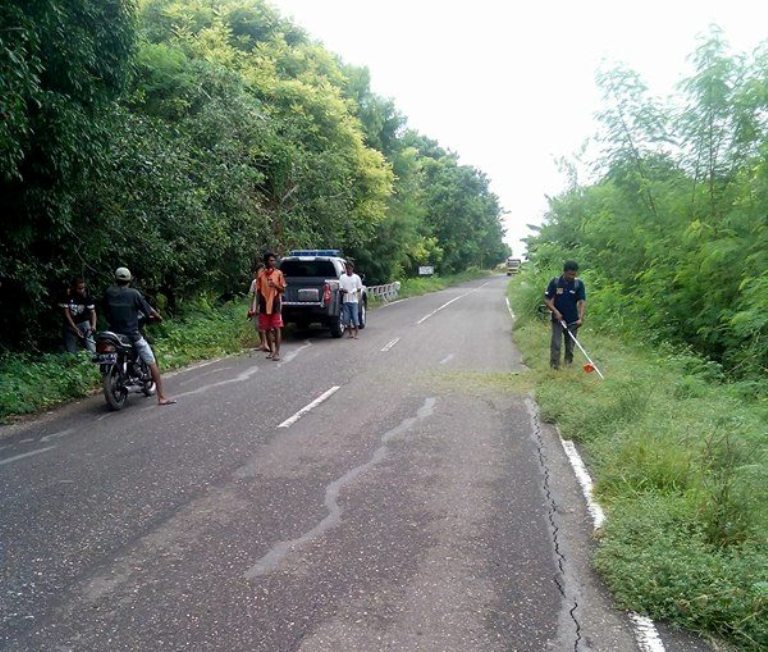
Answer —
678 454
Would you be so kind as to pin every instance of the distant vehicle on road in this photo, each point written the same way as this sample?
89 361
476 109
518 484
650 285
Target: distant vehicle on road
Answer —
513 265
312 295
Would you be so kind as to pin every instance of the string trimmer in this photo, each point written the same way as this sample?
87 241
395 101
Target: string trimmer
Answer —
589 366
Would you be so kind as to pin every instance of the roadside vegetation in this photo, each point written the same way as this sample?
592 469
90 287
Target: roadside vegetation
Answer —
183 138
671 236
678 454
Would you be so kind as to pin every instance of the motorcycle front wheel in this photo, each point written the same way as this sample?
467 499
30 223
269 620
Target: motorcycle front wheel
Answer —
114 389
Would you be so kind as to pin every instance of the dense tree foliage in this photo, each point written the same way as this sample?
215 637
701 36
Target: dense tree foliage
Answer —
674 232
182 138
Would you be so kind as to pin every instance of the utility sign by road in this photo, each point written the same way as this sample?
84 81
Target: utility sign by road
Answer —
426 270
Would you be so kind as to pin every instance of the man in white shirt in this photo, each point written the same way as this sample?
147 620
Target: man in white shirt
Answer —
351 288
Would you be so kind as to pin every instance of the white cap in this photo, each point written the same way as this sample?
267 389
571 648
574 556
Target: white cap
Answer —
123 274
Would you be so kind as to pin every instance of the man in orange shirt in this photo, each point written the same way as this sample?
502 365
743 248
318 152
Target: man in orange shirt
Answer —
270 286
253 311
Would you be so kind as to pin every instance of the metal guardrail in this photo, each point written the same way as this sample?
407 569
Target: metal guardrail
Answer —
384 292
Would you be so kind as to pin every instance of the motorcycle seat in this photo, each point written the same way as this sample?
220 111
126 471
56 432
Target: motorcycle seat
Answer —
123 340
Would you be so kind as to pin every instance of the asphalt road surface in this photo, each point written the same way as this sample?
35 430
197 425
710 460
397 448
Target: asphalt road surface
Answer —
417 503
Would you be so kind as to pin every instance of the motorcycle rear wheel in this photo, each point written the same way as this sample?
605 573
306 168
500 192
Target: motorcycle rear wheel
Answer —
114 390
147 385
148 388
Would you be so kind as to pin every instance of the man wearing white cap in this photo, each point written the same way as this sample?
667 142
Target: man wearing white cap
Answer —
124 304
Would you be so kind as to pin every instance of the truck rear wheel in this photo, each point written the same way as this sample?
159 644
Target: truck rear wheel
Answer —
337 326
362 312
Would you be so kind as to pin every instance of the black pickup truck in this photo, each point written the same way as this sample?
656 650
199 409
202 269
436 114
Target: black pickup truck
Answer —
312 295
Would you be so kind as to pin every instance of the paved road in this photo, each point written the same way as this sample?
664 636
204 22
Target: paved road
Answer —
419 506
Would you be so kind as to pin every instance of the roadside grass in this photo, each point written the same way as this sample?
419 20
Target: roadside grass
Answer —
201 330
680 462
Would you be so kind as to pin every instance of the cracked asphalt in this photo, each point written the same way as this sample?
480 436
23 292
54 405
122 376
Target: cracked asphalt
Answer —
422 506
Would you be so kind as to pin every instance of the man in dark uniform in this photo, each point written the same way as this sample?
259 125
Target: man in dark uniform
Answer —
124 304
566 299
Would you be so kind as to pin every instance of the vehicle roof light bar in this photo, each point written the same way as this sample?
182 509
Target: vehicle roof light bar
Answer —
315 252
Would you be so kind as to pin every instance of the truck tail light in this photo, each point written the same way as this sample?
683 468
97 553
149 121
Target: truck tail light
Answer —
326 294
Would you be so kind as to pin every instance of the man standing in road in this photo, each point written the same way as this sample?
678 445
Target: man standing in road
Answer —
253 311
79 317
124 304
270 286
566 299
352 288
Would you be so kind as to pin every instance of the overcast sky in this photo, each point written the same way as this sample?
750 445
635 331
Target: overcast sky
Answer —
510 86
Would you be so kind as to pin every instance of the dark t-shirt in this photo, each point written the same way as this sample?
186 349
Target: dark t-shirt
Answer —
123 305
80 306
566 295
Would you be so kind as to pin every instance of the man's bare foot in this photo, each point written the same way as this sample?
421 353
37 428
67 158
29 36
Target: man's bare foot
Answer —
275 357
166 401
269 355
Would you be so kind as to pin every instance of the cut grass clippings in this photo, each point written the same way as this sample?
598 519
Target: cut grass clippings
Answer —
679 460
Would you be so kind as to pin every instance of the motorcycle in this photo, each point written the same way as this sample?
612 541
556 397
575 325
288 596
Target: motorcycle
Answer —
123 372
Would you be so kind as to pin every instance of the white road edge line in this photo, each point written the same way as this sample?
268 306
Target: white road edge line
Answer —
389 345
509 307
290 421
582 475
206 373
445 305
23 455
57 435
646 634
391 303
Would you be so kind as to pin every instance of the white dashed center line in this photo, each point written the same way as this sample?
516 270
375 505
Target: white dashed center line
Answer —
290 421
389 345
434 312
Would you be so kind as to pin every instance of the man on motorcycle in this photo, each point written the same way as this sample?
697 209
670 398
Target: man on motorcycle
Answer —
124 304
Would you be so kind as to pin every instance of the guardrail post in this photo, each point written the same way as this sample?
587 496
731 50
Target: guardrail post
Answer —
385 292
